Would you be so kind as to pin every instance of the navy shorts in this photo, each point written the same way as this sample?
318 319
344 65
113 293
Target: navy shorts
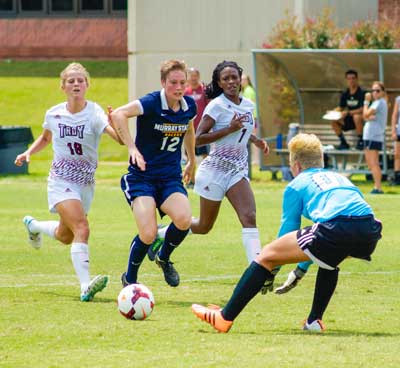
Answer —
329 243
348 123
134 186
373 145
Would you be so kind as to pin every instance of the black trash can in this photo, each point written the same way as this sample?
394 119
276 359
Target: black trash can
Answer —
13 141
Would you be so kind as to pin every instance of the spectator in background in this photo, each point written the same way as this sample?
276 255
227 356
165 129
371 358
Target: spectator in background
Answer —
249 92
396 138
196 90
375 114
351 106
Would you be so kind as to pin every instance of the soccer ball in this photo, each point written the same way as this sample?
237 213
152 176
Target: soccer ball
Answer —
135 301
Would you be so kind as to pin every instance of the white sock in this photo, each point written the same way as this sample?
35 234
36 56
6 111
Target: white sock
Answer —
162 230
251 242
80 261
46 227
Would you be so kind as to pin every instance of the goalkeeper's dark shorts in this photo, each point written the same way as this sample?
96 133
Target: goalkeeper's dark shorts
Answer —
329 243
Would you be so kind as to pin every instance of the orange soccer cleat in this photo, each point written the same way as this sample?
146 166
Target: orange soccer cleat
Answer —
315 326
213 316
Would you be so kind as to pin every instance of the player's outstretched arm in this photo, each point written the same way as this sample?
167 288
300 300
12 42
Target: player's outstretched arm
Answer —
189 143
110 130
260 143
41 142
120 118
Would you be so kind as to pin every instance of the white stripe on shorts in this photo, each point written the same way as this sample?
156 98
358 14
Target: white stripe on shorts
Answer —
126 191
318 261
304 241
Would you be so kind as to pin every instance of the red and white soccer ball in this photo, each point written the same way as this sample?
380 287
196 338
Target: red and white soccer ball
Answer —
135 301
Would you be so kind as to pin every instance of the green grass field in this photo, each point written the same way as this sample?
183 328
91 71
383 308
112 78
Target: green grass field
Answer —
43 324
28 89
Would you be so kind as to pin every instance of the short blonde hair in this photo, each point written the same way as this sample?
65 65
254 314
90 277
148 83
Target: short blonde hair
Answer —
74 67
307 150
170 65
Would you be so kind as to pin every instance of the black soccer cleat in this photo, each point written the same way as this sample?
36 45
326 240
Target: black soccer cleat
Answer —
171 276
124 281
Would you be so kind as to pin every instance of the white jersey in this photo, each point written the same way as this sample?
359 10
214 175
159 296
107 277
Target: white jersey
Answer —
75 139
229 154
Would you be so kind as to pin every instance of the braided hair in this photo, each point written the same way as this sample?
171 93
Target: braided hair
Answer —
213 89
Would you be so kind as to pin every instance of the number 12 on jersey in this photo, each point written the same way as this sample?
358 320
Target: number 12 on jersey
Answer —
170 143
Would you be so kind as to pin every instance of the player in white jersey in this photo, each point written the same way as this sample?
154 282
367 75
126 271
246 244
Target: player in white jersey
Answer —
227 125
74 128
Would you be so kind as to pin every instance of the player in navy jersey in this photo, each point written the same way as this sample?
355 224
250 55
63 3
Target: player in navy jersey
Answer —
154 180
344 225
74 129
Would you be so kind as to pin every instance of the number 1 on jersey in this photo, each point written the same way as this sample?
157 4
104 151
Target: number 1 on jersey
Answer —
244 130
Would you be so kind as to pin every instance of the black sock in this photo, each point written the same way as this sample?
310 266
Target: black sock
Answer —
325 286
137 253
342 138
173 237
246 289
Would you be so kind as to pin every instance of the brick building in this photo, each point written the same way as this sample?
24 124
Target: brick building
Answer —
389 9
63 29
98 28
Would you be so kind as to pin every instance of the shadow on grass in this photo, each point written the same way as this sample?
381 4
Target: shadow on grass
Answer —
327 334
339 333
186 304
75 298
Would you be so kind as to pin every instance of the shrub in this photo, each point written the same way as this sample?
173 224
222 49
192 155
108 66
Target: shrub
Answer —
322 33
286 34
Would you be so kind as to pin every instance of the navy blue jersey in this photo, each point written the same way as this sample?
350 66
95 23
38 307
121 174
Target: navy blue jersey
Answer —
160 133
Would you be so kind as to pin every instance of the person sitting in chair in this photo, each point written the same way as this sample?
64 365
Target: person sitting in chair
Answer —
351 106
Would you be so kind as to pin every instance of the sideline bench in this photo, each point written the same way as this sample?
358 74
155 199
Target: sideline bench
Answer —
350 161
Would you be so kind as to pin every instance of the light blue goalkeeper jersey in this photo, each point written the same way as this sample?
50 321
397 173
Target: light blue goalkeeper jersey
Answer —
320 195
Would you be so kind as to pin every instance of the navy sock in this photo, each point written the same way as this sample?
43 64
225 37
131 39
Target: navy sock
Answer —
249 285
325 286
342 138
173 237
137 253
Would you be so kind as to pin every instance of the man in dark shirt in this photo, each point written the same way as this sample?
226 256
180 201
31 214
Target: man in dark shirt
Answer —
351 106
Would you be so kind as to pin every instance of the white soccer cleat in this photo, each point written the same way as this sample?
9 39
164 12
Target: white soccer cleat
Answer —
95 286
289 284
34 239
315 326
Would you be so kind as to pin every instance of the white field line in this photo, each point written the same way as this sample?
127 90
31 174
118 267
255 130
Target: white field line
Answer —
67 280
